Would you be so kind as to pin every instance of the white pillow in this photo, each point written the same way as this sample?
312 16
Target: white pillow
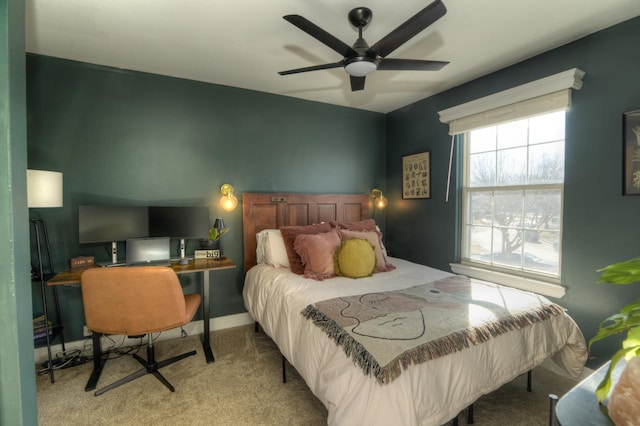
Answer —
270 249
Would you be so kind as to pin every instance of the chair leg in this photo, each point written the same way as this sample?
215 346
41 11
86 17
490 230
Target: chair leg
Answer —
122 381
150 367
164 381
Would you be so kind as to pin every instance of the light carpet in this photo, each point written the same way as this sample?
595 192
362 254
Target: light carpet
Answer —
242 387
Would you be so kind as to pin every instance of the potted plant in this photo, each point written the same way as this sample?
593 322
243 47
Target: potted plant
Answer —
215 233
626 321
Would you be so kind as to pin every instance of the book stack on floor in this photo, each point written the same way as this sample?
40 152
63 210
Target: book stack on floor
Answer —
40 329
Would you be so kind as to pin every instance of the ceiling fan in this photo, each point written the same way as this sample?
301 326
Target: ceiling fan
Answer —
361 60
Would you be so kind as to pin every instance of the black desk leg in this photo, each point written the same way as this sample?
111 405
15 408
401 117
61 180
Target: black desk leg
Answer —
97 363
206 345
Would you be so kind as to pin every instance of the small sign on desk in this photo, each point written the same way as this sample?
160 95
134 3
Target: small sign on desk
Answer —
81 261
206 254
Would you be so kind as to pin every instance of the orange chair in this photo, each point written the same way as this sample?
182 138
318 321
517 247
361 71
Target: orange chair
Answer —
135 301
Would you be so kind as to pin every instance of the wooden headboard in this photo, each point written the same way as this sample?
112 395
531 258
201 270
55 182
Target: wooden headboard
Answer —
273 210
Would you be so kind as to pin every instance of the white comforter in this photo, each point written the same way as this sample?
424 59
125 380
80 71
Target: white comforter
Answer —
430 393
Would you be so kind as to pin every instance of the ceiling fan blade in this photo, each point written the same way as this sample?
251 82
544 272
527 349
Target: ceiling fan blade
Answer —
389 64
357 83
410 28
321 35
312 68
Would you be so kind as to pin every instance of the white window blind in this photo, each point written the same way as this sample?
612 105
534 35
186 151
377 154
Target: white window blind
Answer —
547 94
552 102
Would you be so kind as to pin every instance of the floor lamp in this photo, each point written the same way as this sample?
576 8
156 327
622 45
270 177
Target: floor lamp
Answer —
44 190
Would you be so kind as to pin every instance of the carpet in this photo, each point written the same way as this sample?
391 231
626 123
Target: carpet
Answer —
242 387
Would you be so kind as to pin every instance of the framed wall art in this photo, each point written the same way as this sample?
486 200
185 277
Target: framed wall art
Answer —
416 176
631 153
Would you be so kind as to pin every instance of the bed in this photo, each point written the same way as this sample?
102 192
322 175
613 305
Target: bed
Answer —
425 390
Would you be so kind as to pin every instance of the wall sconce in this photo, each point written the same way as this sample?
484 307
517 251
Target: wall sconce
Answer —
379 200
228 201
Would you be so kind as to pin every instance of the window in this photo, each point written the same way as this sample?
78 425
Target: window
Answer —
511 227
512 196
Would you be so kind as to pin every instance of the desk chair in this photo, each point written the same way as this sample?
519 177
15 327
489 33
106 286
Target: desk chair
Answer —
135 301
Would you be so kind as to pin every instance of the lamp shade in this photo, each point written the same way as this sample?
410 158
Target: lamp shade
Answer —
44 189
219 223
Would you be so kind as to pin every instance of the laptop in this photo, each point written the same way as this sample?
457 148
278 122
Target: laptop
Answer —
148 251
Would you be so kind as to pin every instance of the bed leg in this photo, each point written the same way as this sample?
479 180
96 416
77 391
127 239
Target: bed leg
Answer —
553 400
256 327
470 415
284 370
529 381
455 421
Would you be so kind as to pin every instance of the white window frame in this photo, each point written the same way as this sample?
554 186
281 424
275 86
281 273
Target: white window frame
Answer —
540 96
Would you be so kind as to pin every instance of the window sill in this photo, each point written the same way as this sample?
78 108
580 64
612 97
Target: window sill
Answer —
528 284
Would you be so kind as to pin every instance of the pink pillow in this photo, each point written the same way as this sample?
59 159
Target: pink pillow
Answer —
289 234
317 252
375 240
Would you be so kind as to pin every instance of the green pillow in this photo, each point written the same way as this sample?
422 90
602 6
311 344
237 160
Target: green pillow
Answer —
355 258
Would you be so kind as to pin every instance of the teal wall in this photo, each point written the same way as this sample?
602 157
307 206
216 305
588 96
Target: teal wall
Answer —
17 375
600 225
131 138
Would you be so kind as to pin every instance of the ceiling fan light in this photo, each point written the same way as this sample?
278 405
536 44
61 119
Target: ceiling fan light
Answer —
360 68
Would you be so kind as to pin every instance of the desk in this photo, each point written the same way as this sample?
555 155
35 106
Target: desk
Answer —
72 276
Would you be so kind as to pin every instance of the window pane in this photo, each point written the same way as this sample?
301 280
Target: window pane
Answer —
482 169
513 134
480 208
542 209
542 237
541 252
512 166
547 128
482 140
508 209
507 247
546 163
479 243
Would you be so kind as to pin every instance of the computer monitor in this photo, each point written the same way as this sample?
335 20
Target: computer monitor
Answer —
103 224
179 222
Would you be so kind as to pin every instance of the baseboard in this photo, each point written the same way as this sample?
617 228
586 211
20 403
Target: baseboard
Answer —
193 328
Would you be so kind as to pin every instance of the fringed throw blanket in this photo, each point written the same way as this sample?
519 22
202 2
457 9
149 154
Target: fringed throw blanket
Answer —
386 332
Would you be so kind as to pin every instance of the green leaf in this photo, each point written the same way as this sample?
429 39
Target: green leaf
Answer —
627 272
635 306
214 234
605 332
633 339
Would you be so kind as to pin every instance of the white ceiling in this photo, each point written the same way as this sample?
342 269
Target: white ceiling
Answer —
244 43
